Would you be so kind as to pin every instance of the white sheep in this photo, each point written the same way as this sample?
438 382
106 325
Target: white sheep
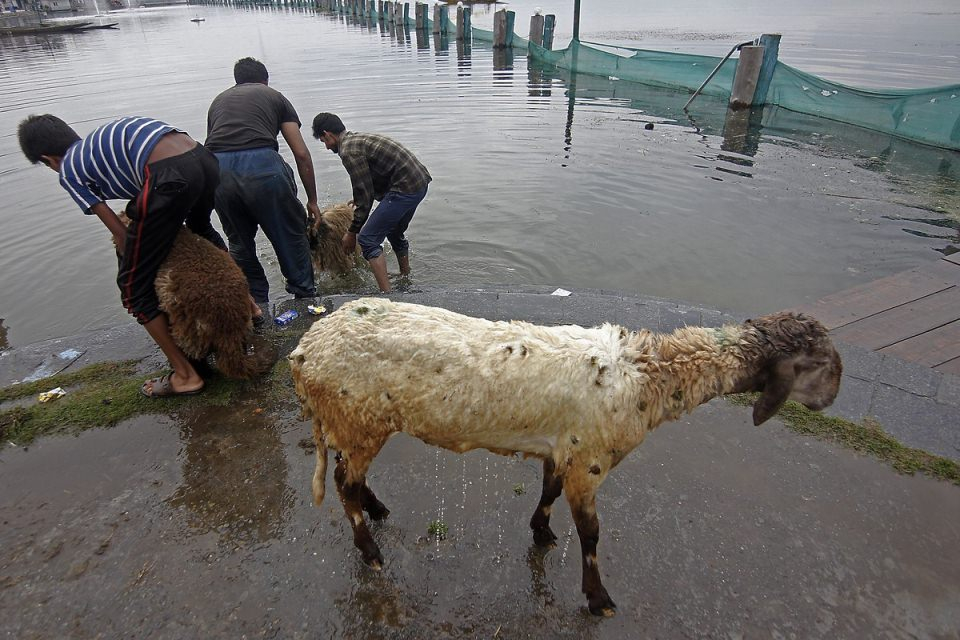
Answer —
580 399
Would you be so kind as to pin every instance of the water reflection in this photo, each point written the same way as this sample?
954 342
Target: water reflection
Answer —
741 131
3 336
234 475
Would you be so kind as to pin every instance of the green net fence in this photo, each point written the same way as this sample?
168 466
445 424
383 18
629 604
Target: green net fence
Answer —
931 116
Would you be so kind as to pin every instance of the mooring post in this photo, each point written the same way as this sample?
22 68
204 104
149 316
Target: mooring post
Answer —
406 13
771 50
463 22
745 80
536 28
549 22
444 19
420 14
436 18
500 29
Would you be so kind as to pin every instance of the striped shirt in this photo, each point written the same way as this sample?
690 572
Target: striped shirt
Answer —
109 164
378 164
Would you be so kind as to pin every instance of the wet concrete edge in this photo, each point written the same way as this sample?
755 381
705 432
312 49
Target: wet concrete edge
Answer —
915 404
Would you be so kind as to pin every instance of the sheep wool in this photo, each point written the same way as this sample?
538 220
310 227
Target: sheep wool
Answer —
325 234
205 296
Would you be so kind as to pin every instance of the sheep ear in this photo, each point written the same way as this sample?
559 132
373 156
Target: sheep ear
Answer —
775 392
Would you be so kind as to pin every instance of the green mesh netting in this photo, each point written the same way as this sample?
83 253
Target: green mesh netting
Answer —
931 116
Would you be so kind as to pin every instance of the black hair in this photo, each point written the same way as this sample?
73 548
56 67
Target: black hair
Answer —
250 70
327 122
45 135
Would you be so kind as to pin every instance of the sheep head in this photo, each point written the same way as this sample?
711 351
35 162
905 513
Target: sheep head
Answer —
792 358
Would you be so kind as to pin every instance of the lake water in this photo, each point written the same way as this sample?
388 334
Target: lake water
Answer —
532 184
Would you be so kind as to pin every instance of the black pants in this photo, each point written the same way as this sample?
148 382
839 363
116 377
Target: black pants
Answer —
175 190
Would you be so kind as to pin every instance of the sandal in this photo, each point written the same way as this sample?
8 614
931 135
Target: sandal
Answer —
162 388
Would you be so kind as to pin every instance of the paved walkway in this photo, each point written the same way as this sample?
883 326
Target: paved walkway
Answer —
917 405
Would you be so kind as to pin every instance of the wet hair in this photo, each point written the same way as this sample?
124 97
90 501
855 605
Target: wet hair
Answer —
327 122
45 135
250 70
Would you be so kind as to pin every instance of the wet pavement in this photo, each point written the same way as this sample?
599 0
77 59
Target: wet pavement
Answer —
201 524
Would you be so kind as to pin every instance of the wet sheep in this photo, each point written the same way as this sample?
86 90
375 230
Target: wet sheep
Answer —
205 296
578 398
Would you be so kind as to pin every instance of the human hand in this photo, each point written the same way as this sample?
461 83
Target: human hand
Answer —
313 212
349 242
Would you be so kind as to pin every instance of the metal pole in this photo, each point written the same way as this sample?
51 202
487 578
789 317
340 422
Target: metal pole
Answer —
576 19
714 72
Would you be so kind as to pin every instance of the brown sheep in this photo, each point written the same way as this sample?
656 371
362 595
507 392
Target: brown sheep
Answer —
325 235
580 399
205 296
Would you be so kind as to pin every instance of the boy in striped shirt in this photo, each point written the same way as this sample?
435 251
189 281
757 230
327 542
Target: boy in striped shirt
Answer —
170 179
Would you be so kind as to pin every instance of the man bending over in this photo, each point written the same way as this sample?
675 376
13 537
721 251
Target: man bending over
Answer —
171 179
380 169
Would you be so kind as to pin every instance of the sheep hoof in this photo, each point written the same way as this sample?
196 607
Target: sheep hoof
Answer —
545 537
373 559
602 605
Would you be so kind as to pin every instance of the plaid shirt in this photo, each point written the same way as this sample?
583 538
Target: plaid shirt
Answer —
376 165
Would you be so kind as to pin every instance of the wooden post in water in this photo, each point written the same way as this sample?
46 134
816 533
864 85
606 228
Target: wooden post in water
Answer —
436 18
406 14
745 80
549 22
444 20
500 29
463 23
536 28
380 9
420 13
771 50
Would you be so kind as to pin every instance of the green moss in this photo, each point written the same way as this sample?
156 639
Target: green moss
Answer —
519 489
99 395
868 438
91 373
362 311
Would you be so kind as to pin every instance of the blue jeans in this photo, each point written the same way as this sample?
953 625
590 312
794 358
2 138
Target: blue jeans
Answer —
389 220
257 189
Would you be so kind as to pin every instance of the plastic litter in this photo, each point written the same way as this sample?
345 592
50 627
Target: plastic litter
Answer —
286 317
53 394
316 310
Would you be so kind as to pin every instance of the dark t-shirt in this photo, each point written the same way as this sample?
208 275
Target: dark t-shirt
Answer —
247 116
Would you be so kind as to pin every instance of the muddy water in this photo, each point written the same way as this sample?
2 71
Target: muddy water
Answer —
202 526
534 183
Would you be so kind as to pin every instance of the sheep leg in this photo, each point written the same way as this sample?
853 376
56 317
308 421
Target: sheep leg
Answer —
320 471
374 508
543 535
583 507
351 490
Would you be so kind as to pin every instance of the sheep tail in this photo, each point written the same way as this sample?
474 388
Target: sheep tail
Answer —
245 359
320 473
